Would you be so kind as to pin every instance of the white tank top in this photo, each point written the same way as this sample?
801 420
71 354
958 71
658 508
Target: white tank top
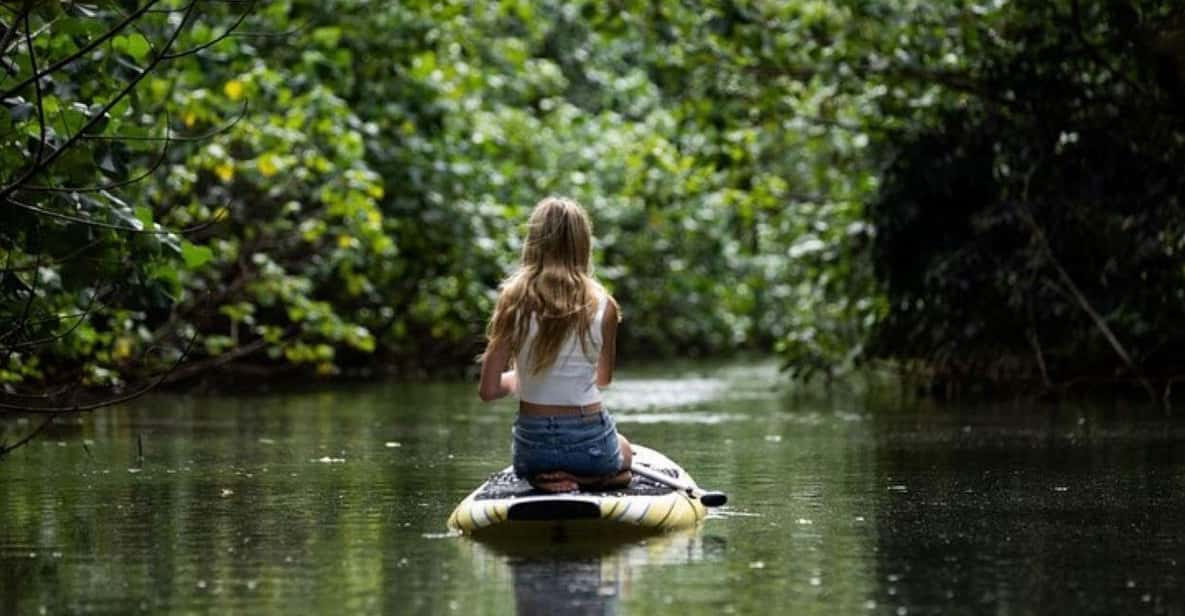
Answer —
572 379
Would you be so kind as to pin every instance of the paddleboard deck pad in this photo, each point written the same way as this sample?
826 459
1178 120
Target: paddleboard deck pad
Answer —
506 503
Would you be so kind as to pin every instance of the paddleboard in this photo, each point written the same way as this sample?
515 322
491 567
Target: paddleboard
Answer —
507 505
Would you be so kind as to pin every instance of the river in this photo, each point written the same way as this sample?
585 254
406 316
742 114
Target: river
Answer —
861 501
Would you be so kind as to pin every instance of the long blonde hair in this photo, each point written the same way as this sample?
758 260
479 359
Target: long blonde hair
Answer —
554 282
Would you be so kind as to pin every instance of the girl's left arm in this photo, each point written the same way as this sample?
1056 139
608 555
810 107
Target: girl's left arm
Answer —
496 380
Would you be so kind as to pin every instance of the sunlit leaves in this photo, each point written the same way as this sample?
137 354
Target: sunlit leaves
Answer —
233 89
225 171
195 256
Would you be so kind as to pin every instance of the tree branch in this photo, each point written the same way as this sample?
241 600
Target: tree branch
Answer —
93 120
24 318
201 137
215 40
7 449
10 32
79 408
78 322
104 225
196 368
1072 289
52 68
101 187
85 221
37 90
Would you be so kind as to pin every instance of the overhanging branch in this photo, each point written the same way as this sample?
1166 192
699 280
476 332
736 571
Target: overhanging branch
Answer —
82 51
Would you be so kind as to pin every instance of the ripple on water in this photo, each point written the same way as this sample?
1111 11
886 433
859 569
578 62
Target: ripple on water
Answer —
445 535
724 513
678 418
644 394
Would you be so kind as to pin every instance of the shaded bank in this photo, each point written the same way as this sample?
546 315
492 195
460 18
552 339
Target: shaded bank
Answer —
1034 239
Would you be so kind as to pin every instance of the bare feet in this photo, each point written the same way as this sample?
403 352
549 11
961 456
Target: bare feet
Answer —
561 481
620 480
556 481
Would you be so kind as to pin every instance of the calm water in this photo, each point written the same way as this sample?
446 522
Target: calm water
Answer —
335 502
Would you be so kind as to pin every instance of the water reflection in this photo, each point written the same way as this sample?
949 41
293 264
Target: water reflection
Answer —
645 394
336 501
584 578
562 586
1031 512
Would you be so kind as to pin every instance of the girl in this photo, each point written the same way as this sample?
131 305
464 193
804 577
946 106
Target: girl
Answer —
551 341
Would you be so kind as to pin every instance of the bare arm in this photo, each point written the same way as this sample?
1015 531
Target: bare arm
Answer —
608 346
496 381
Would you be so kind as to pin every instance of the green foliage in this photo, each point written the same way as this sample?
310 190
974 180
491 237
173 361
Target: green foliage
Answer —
343 187
1004 222
471 116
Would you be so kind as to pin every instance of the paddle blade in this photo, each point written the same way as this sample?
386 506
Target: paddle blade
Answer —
713 499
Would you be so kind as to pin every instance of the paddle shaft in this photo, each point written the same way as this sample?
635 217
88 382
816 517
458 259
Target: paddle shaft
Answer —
708 498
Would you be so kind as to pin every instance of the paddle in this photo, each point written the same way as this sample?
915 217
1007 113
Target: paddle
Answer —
708 498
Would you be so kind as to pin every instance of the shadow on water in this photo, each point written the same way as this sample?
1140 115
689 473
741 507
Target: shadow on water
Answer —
1074 509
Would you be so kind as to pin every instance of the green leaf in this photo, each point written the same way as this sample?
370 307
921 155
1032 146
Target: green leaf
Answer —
137 46
51 104
327 37
195 256
144 215
166 273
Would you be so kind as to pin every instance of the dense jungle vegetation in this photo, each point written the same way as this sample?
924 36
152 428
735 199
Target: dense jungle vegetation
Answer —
980 192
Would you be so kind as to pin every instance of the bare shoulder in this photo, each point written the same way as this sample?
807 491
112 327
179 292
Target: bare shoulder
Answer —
612 315
612 310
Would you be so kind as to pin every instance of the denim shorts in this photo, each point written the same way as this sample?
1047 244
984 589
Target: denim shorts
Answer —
584 445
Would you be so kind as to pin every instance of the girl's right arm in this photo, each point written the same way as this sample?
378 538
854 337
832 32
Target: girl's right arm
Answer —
496 381
608 345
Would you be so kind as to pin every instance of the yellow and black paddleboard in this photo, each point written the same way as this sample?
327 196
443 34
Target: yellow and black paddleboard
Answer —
507 505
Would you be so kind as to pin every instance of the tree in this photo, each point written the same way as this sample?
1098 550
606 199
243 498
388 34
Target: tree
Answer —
81 262
1034 238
